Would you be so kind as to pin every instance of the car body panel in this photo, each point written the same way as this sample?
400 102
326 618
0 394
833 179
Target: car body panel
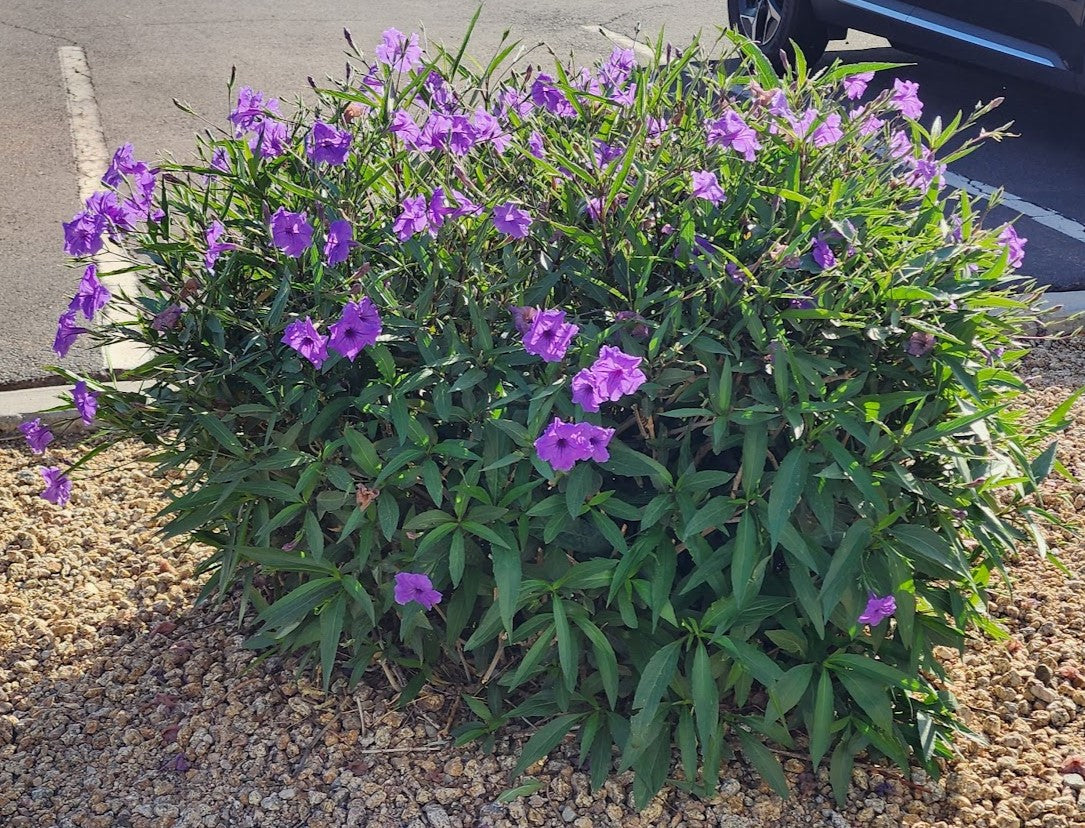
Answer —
1040 39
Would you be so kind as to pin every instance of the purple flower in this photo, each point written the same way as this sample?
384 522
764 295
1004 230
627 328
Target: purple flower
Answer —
303 337
802 124
828 131
166 318
413 218
270 139
466 206
625 97
139 204
804 303
562 445
545 94
404 127
514 100
511 220
618 67
906 98
92 295
732 132
415 586
488 129
878 609
215 248
86 402
586 82
705 186
251 110
595 439
359 325
398 51
220 159
58 488
83 234
926 170
1014 243
654 126
900 144
522 317
920 344
869 123
613 375
855 85
779 106
460 136
67 333
640 329
123 163
291 232
594 207
116 218
328 145
823 254
535 145
37 434
339 242
586 390
605 153
550 335
441 96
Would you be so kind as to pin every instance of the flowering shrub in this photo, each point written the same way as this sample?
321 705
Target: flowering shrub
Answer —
661 404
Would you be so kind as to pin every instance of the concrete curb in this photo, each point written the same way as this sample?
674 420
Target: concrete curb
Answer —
27 403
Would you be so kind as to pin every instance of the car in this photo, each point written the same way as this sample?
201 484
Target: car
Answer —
1039 39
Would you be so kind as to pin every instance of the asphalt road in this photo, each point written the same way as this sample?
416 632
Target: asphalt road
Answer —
142 54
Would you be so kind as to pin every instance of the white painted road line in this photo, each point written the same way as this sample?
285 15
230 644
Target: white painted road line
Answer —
91 162
641 49
1041 215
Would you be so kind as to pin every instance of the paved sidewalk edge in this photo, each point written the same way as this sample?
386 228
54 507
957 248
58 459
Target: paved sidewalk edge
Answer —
1065 314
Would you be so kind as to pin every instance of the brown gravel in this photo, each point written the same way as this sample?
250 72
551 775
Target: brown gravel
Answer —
122 706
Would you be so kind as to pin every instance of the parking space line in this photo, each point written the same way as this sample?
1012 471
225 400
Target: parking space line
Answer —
1041 215
640 49
91 162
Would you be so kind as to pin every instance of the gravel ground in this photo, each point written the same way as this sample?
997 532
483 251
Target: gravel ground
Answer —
120 705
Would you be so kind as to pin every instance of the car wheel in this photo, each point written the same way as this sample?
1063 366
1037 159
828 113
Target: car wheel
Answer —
773 24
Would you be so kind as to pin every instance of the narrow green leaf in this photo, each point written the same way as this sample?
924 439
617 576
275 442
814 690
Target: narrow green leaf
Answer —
331 630
787 488
546 738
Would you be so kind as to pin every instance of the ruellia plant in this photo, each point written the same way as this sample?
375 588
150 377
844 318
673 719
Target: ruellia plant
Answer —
666 405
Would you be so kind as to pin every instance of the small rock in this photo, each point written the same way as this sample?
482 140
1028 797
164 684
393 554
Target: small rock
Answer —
436 816
1042 693
1043 673
1074 780
568 814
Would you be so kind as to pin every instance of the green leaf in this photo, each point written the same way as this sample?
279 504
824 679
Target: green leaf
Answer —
331 630
764 762
744 559
754 456
787 488
298 602
221 434
626 462
786 692
362 452
567 654
713 515
546 738
822 719
278 560
580 482
388 513
658 673
844 569
360 596
507 575
871 696
706 696
605 660
457 557
840 767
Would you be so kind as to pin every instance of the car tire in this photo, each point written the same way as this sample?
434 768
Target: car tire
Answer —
773 24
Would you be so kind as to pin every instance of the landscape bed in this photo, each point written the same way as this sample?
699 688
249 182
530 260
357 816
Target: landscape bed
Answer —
121 705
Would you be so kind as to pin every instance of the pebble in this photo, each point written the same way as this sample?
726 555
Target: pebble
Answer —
1074 780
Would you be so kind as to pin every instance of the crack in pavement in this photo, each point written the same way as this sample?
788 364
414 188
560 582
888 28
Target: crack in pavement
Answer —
19 28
